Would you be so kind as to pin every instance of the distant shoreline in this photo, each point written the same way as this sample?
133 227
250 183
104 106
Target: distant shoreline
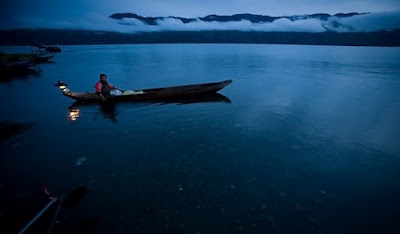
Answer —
89 37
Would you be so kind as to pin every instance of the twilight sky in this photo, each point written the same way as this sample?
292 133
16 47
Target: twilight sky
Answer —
20 13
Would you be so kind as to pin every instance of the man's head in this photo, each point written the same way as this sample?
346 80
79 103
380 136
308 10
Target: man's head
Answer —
103 77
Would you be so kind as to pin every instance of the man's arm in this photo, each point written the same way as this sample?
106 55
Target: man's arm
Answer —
102 97
97 88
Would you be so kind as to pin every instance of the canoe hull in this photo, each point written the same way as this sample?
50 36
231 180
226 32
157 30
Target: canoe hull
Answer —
155 94
42 58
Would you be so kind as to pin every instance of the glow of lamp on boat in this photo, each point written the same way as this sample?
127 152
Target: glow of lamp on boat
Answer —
74 114
64 88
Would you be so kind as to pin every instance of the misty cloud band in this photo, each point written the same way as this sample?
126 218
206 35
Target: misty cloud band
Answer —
358 23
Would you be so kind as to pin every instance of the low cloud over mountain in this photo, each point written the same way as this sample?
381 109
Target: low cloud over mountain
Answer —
351 22
132 23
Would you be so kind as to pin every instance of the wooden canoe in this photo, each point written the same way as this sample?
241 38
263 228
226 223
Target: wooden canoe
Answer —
23 64
42 58
154 94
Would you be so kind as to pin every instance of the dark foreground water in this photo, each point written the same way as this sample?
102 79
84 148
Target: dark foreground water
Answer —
306 140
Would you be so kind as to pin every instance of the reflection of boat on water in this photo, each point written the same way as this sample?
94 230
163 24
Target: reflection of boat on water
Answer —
24 60
109 108
187 91
9 129
209 97
7 74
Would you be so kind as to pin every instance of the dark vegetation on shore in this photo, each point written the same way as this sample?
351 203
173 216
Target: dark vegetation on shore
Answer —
83 37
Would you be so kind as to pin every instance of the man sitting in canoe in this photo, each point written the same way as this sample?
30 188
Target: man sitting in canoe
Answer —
103 88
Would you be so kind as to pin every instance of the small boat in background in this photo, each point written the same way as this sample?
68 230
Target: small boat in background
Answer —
22 64
17 69
19 59
149 94
42 58
52 48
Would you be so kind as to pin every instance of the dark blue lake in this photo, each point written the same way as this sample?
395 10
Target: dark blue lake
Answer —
306 140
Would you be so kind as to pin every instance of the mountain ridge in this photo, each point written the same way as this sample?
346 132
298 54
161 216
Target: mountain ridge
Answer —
254 18
316 29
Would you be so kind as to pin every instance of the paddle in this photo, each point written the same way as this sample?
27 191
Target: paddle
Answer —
70 201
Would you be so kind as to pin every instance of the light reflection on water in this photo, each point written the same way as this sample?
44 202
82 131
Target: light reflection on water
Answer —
73 114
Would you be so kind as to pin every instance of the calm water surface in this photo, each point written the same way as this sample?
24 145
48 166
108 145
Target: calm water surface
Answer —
306 140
